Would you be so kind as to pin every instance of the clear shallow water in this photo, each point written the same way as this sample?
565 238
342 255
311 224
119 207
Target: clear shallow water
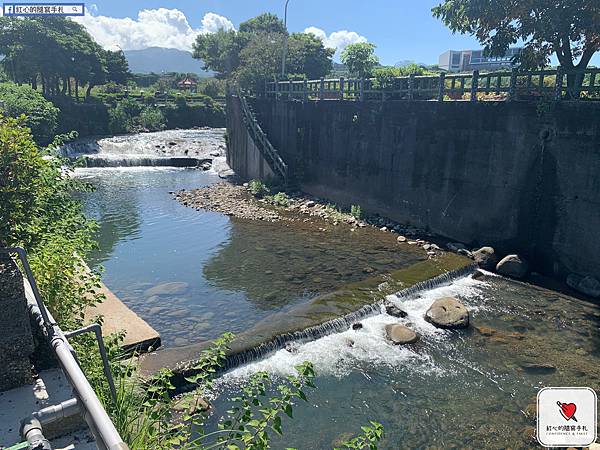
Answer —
466 389
229 273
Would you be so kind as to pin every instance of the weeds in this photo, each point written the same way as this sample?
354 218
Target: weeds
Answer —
355 211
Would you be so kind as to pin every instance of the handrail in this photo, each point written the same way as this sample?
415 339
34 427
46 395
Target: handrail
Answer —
511 85
263 144
106 435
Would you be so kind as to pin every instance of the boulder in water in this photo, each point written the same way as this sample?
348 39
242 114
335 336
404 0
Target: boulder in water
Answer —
455 246
587 285
357 326
400 335
485 258
394 311
172 288
512 266
448 312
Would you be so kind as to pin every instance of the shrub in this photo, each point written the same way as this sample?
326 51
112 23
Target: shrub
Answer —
258 188
355 211
152 119
42 115
279 199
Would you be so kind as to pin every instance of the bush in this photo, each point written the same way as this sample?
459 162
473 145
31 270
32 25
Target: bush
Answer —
42 115
152 119
355 211
90 118
258 188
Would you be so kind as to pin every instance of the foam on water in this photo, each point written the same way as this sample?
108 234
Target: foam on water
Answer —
341 353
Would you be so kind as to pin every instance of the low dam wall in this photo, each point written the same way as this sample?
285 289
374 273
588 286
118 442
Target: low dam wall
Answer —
521 176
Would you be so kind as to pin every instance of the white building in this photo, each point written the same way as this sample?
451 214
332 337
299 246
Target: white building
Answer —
468 60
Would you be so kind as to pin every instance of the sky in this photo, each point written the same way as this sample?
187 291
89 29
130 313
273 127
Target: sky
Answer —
401 29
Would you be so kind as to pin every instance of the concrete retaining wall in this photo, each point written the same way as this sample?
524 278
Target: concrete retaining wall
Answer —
520 176
243 156
16 341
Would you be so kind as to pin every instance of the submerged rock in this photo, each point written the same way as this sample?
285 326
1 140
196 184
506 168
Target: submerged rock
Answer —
448 312
357 326
485 258
455 246
394 311
540 368
512 266
399 334
172 288
587 285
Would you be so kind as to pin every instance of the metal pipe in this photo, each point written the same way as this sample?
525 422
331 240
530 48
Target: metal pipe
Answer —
97 329
107 436
31 430
54 413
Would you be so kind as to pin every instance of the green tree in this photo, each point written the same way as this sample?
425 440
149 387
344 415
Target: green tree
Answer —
219 51
360 59
568 28
307 55
42 115
117 67
264 23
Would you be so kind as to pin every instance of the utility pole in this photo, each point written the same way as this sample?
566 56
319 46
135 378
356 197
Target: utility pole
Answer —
285 42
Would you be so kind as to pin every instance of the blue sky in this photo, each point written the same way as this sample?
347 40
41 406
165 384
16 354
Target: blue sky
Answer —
401 30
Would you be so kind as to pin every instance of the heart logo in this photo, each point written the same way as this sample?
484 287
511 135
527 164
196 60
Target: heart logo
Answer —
567 410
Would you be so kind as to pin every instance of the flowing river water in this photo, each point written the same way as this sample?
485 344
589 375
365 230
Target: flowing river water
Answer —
196 274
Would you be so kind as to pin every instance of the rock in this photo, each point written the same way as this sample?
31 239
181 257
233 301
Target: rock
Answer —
455 246
292 347
538 368
401 239
172 288
172 143
587 285
426 247
394 311
485 258
464 252
383 229
215 154
310 204
368 270
478 275
448 312
512 266
399 334
357 326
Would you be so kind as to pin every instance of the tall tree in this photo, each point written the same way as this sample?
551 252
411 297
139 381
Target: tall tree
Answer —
307 55
219 51
568 28
117 67
265 23
360 59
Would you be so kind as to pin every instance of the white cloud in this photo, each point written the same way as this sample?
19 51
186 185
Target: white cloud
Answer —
160 27
338 39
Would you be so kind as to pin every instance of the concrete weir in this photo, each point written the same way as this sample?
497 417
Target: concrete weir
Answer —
325 315
118 317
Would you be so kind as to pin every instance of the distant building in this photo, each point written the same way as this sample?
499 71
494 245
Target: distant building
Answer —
188 84
468 60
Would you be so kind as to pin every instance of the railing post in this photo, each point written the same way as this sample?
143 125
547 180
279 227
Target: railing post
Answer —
559 84
474 85
442 87
341 88
322 89
362 89
512 90
411 86
290 89
305 90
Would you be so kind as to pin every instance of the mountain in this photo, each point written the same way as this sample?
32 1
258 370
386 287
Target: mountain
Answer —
158 59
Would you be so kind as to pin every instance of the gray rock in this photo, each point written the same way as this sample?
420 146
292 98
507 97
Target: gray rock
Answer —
399 334
394 311
485 258
512 266
401 239
587 285
455 246
310 204
357 326
448 312
172 288
539 368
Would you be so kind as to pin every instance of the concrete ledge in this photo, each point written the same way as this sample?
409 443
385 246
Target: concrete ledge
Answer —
118 317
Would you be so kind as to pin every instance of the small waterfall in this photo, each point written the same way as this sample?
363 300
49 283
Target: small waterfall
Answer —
340 324
113 161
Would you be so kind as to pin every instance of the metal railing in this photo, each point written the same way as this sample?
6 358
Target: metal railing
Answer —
269 153
506 85
85 401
